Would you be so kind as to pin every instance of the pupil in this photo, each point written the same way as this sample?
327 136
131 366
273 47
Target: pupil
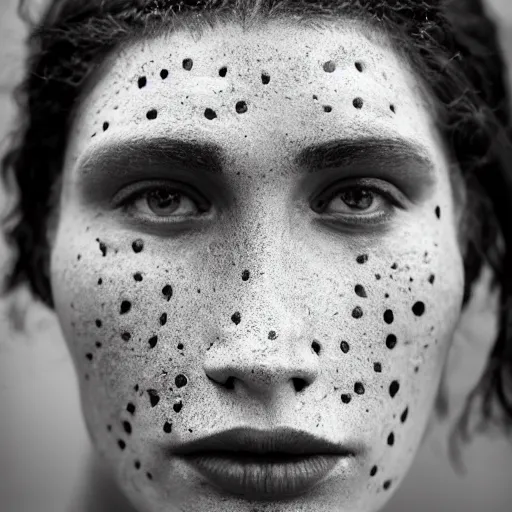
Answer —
163 200
357 198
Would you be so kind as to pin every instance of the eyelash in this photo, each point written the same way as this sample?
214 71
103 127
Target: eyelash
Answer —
128 201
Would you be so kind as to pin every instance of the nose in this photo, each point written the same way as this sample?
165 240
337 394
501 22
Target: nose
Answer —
265 363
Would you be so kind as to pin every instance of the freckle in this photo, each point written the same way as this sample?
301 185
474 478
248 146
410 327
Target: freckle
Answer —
109 428
265 78
105 126
210 114
431 278
138 245
377 367
327 108
152 114
152 341
167 427
98 344
121 444
362 258
344 347
359 289
345 398
419 308
388 316
89 356
137 276
137 464
315 346
241 107
373 471
416 369
79 257
130 408
100 281
393 388
357 312
359 388
377 276
272 335
391 341
392 108
164 74
358 103
387 484
180 346
126 336
222 71
245 275
98 323
153 397
391 439
180 380
167 291
404 415
329 66
386 295
149 476
359 67
315 97
438 212
127 427
235 317
163 318
187 64
177 406
394 266
142 82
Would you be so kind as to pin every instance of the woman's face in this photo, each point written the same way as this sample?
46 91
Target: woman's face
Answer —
257 230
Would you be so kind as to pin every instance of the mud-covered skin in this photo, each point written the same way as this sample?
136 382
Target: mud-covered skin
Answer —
261 287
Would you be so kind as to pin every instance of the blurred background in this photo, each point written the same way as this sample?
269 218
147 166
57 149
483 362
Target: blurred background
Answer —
43 442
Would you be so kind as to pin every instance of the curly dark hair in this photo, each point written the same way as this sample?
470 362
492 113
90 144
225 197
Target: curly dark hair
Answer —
452 46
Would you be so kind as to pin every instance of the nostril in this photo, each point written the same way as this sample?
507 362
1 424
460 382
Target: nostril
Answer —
299 384
229 384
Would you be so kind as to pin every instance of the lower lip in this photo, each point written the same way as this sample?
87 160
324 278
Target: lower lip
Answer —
263 477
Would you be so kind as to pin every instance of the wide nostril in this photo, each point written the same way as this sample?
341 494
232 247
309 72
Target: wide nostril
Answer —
299 384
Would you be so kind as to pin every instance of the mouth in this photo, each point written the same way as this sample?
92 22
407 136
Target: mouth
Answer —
264 465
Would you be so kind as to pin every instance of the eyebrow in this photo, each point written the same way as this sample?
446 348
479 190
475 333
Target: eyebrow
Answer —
205 156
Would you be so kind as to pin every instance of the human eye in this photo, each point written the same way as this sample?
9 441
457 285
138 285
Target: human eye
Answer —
360 202
162 202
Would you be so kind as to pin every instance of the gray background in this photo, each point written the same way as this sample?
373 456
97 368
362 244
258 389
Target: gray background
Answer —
43 441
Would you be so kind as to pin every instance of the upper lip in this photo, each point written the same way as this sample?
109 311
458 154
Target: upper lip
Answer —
282 440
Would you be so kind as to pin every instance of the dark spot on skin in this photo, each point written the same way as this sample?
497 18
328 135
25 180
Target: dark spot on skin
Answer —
167 291
438 212
359 388
130 408
235 317
327 108
153 397
98 323
136 387
344 347
79 257
180 380
394 266
272 335
329 66
103 247
100 281
137 464
359 67
98 344
377 367
121 444
210 114
345 398
362 258
126 336
152 114
316 346
360 291
393 388
138 245
149 476
357 312
137 276
180 346
142 82
386 295
177 407
167 427
245 275
419 308
391 341
404 415
109 428
105 126
315 97
187 64
89 356
373 471
388 316
416 369
391 439
223 71
431 278
164 74
127 427
387 484
265 78
392 108
358 103
377 276
163 318
153 341
241 107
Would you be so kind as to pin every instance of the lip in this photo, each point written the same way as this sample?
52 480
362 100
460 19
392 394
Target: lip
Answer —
264 465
